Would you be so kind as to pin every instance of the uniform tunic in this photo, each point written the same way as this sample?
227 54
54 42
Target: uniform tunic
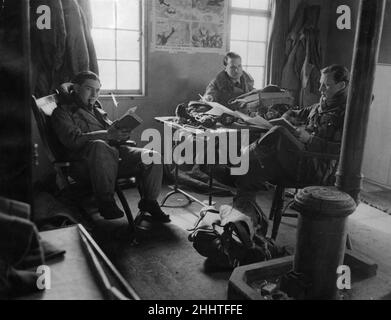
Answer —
100 161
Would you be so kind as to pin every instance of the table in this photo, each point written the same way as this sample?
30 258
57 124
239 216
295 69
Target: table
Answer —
197 132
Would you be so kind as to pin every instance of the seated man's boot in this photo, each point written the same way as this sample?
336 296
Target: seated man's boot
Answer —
153 208
109 210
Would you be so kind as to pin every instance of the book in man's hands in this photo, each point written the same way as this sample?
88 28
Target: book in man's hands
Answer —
128 121
284 123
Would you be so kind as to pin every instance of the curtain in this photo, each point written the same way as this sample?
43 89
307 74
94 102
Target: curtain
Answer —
276 47
65 49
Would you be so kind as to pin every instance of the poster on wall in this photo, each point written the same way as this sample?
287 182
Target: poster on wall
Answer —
189 25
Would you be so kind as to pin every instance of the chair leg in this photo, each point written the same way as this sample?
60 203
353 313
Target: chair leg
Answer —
125 205
274 204
278 204
290 215
349 242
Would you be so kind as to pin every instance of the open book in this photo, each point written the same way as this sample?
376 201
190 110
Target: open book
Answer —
284 123
262 123
129 120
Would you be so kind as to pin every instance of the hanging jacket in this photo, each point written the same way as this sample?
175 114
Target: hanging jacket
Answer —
65 49
80 55
47 47
301 72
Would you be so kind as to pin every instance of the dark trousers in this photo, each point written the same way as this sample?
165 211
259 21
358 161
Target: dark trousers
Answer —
102 164
272 158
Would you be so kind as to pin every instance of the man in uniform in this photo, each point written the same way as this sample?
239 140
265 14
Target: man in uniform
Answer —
88 135
230 82
271 157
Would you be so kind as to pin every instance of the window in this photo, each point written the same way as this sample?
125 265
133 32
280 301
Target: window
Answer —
249 35
117 34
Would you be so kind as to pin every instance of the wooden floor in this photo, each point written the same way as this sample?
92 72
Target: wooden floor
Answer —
165 266
376 196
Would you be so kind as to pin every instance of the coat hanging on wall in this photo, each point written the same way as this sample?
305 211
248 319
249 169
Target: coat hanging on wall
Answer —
301 72
64 49
276 47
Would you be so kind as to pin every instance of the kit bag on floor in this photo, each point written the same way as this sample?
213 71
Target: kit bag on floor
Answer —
233 246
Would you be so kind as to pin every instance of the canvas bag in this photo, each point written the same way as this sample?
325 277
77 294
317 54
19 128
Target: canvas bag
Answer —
233 243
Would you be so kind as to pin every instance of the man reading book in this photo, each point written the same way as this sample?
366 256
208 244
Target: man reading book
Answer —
271 157
88 135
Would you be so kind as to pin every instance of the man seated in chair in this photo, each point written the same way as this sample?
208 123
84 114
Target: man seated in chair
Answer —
276 156
230 82
88 135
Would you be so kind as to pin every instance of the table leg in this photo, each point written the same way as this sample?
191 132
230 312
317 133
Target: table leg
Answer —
177 190
210 184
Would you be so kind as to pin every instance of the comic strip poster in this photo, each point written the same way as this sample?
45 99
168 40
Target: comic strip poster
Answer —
189 25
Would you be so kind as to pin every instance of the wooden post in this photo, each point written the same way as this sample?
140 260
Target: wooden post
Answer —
366 49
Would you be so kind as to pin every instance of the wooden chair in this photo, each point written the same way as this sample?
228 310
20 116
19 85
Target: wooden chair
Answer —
42 110
277 210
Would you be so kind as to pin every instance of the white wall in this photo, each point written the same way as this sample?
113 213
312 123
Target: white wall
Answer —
377 156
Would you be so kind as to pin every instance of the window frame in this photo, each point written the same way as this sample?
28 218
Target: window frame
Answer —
255 13
142 54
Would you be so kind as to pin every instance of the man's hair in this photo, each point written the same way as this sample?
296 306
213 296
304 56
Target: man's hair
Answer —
230 55
83 76
340 73
272 88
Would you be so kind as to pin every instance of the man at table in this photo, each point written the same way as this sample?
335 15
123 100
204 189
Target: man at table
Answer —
87 134
230 82
275 156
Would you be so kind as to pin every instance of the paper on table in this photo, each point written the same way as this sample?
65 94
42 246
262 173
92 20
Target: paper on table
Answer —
256 121
218 109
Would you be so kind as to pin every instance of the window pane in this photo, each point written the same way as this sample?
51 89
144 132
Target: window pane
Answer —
241 4
128 14
259 4
239 27
103 13
128 75
128 45
257 73
256 53
104 41
240 47
107 74
258 29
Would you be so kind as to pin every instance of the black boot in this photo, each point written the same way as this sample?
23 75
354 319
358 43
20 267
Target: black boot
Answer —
109 210
152 207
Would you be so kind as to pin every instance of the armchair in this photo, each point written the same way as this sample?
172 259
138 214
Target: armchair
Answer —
42 110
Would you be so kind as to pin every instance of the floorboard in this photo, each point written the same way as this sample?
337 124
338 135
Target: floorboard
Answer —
165 266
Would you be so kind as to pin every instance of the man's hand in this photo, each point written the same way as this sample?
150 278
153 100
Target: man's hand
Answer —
291 116
117 134
302 134
208 98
